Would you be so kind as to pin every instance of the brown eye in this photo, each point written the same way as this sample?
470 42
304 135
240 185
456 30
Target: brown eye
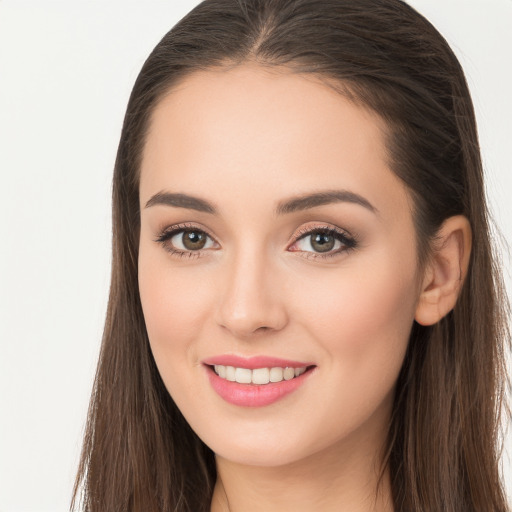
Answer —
192 240
322 242
186 240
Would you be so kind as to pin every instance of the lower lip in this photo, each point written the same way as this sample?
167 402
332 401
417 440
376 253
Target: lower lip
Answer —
254 395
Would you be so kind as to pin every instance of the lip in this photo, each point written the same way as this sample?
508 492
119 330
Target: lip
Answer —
252 363
254 395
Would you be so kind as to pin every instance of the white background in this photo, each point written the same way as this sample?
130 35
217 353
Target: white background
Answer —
66 70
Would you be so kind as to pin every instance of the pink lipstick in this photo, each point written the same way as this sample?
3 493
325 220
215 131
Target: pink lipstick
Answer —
255 381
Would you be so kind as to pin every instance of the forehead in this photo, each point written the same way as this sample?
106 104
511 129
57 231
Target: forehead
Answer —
276 132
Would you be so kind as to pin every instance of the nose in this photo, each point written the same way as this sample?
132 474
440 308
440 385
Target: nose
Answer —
251 301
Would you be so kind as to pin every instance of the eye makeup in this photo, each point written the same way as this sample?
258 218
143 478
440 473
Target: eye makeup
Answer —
194 240
188 240
324 241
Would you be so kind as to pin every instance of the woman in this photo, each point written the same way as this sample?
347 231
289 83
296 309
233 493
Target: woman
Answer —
304 310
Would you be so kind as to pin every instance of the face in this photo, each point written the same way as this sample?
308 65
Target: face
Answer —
277 248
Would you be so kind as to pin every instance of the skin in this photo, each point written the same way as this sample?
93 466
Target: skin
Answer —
245 140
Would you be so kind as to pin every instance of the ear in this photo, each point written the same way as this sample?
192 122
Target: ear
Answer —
446 271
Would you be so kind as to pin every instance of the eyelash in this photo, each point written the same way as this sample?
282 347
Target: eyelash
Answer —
348 242
172 231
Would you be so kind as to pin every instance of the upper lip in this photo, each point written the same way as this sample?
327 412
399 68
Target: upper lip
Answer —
254 362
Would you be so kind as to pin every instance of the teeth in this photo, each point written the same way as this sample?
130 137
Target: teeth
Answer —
243 375
230 373
276 374
220 370
288 373
258 375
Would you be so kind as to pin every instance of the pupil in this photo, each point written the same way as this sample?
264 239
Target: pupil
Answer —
194 240
322 242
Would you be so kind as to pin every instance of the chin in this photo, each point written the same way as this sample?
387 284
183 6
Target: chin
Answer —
259 457
267 449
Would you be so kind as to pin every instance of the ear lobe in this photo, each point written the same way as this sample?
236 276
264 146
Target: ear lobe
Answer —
446 271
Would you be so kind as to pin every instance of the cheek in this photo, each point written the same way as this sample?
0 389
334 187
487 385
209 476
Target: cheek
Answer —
174 306
363 316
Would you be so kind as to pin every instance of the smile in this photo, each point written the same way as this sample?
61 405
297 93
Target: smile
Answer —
259 376
256 381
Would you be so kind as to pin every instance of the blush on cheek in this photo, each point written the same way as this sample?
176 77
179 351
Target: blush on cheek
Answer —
367 316
175 305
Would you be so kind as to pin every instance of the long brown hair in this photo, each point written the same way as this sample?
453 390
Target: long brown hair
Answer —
139 454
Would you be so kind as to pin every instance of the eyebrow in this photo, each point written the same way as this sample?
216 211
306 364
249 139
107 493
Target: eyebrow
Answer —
307 201
181 201
299 203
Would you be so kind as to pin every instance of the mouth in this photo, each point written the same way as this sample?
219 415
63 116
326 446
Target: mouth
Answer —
259 376
257 381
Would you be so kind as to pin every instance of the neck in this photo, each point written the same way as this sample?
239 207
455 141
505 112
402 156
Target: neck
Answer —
336 479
